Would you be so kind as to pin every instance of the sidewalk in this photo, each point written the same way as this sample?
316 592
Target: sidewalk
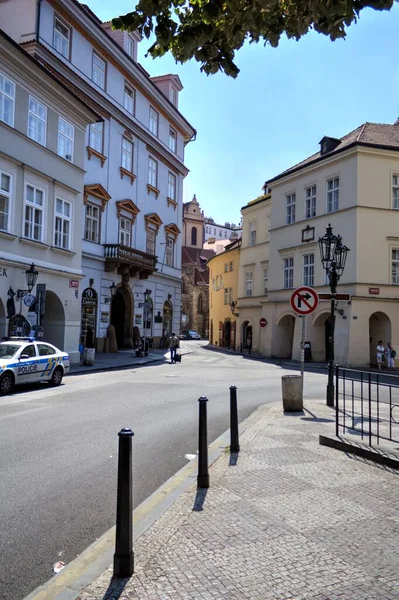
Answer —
122 360
286 519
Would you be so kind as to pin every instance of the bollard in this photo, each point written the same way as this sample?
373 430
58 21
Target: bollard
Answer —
203 474
234 443
124 556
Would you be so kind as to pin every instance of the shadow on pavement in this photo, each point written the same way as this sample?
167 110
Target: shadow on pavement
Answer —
115 588
233 459
199 500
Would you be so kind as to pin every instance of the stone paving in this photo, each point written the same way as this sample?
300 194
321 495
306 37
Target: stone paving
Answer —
289 519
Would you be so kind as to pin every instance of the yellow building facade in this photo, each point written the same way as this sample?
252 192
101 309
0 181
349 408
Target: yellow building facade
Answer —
223 291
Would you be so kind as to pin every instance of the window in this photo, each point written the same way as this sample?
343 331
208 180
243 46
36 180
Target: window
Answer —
92 223
96 131
230 295
214 232
34 207
308 270
226 267
225 234
152 172
127 155
310 202
45 350
153 121
130 47
395 266
98 71
231 265
7 100
193 236
125 232
170 250
252 233
61 38
290 209
5 200
172 186
226 295
248 283
220 233
151 239
268 228
128 100
62 228
288 272
65 139
265 281
395 191
173 96
29 351
37 121
172 139
332 194
200 304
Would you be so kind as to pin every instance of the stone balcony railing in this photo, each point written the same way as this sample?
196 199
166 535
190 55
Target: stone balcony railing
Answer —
125 260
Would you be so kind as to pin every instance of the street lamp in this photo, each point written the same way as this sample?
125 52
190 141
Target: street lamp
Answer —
31 276
112 289
333 257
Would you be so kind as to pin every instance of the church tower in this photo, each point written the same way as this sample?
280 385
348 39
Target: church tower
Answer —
193 224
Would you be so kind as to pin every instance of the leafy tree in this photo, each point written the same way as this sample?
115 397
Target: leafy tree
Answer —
212 30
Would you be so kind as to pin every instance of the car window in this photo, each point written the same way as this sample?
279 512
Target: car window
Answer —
29 351
8 350
45 350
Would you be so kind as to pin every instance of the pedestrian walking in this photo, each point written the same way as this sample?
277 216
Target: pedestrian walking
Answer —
380 354
391 354
249 342
174 344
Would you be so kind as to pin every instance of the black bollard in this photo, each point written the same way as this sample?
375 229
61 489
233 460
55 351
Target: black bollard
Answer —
234 443
124 556
203 474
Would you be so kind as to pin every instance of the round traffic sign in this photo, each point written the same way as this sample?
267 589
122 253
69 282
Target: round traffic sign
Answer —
304 300
263 322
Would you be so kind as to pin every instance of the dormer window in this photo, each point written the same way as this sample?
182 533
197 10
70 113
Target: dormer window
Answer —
328 144
173 96
131 47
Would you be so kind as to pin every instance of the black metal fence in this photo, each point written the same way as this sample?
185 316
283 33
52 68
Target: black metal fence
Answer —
367 405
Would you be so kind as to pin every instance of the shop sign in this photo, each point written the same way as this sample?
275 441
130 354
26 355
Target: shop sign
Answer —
374 291
73 283
104 317
89 297
137 319
29 299
3 272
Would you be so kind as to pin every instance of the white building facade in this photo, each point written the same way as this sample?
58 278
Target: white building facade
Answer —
220 232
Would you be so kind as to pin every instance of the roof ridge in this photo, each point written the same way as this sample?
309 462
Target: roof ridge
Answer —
362 131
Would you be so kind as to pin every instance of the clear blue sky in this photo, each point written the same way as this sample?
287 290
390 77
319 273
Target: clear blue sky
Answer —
283 102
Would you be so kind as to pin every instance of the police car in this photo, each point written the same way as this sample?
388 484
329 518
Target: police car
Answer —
26 360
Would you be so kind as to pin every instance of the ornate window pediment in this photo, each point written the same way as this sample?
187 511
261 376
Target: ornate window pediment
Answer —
154 220
172 229
96 190
128 209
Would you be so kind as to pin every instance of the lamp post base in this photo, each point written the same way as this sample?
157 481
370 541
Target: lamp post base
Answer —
330 394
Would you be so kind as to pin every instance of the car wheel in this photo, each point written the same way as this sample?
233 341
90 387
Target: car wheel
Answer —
7 383
56 377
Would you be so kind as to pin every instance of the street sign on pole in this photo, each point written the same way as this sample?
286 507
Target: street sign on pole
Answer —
304 300
263 322
346 297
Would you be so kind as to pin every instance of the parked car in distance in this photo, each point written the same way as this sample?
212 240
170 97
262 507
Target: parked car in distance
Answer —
188 334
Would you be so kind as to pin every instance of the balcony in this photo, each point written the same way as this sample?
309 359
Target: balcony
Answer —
129 261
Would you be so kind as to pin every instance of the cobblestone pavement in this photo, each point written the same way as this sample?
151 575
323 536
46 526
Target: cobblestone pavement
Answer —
289 519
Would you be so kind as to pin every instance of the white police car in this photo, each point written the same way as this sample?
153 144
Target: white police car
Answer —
26 360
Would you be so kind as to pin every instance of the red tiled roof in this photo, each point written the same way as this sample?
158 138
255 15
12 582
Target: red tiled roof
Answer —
191 256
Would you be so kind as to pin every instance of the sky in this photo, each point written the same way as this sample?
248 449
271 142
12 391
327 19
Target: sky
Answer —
282 103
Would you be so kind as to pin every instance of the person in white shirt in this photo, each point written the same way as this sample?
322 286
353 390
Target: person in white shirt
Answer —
380 354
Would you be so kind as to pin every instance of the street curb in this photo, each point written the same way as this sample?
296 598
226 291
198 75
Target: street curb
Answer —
98 557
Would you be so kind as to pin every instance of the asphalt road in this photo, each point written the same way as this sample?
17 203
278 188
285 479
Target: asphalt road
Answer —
58 449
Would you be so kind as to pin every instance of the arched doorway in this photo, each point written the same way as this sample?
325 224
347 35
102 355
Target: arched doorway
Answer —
122 317
167 318
318 335
227 333
285 337
246 336
18 325
379 329
54 321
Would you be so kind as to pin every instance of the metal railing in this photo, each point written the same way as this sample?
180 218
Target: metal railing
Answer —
117 252
367 405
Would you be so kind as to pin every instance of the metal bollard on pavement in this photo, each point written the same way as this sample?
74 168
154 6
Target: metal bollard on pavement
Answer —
203 474
234 441
124 555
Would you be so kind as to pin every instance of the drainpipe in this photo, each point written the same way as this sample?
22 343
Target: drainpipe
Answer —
38 8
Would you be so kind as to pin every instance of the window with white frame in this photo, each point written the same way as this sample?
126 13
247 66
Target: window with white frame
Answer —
172 186
62 35
5 200
66 133
230 295
395 191
34 209
172 139
92 223
62 226
252 233
127 155
173 96
170 250
248 283
128 99
98 69
308 270
125 232
310 202
226 296
332 194
290 209
7 100
226 267
151 240
154 121
130 47
152 172
265 281
231 266
96 131
288 272
395 266
37 121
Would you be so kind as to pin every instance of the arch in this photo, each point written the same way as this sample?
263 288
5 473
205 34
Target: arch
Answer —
379 329
281 317
193 236
122 316
285 336
227 333
318 335
54 321
246 335
167 318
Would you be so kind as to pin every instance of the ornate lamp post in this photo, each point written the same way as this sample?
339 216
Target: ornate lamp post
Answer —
112 289
31 276
333 257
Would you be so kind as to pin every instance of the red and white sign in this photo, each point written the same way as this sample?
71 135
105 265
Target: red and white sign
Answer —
304 300
263 322
374 291
73 283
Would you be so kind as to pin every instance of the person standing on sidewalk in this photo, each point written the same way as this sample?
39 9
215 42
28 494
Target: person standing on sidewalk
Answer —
380 354
391 354
173 345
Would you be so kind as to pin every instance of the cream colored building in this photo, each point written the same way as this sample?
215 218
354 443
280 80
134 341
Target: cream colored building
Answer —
253 275
352 183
